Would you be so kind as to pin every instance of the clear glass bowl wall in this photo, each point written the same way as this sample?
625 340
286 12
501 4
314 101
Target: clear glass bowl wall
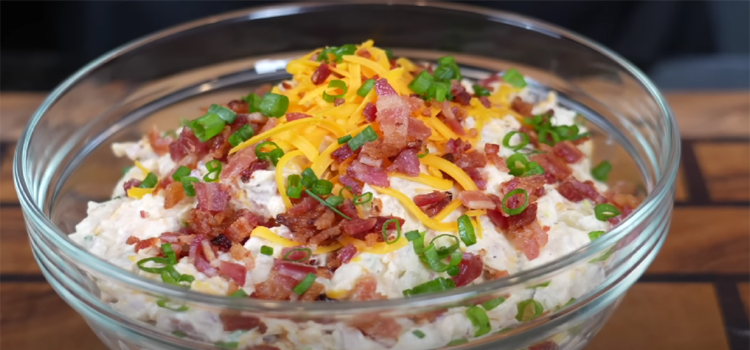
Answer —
64 159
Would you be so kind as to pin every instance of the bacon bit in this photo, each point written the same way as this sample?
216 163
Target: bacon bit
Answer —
422 200
471 159
475 175
312 293
358 227
219 145
301 220
349 181
417 131
324 272
492 274
338 101
485 102
325 220
383 88
521 107
296 116
523 218
270 124
159 144
293 270
342 153
238 252
576 191
453 124
247 174
363 53
372 238
276 287
208 223
208 252
407 162
202 265
370 112
173 195
347 253
498 219
212 196
476 200
242 226
146 243
234 321
369 174
238 163
366 289
364 159
567 151
470 268
130 184
321 74
547 345
143 214
193 252
222 242
531 184
489 80
378 327
236 272
348 208
238 106
132 240
186 144
492 150
553 165
460 95
528 239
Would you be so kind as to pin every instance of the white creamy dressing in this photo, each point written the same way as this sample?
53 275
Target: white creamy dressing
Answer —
109 224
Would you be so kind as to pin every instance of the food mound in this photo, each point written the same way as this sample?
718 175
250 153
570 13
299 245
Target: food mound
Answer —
363 177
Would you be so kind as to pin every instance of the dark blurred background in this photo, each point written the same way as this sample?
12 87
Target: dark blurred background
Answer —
680 44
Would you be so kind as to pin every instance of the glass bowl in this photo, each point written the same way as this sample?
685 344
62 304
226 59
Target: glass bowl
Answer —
64 161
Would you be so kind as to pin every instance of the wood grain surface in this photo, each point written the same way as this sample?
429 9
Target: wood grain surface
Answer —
695 295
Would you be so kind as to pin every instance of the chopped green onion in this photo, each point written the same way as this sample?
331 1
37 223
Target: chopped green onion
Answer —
214 170
181 172
519 210
273 156
447 69
153 269
335 201
227 345
273 105
323 55
309 178
348 49
517 164
466 230
455 342
605 211
418 242
126 169
207 126
454 271
243 134
367 135
579 119
433 259
289 253
421 83
601 171
322 187
491 304
543 136
533 168
426 152
240 293
567 132
524 140
187 185
266 250
479 319
253 102
528 310
150 181
515 78
444 252
604 256
417 333
439 91
385 231
481 91
437 285
163 304
337 84
166 248
322 201
180 334
362 199
341 191
365 88
186 278
225 113
344 139
306 283
412 235
540 285
388 53
593 235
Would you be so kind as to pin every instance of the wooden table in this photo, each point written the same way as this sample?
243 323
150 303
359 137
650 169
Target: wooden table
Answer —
696 295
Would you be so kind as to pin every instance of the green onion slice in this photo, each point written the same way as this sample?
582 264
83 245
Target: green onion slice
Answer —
180 334
438 91
150 181
466 230
240 293
336 84
207 126
444 252
163 304
434 262
322 187
367 135
421 83
514 78
253 102
335 200
344 139
419 334
426 152
224 113
593 235
491 304
241 135
166 248
519 210
187 185
533 168
214 170
385 231
517 164
273 156
481 91
605 211
543 136
418 242
181 172
153 269
362 199
524 140
479 319
412 235
528 310
266 250
294 189
601 171
454 271
322 201
273 105
228 344
289 253
365 88
437 285
309 178
540 285
306 283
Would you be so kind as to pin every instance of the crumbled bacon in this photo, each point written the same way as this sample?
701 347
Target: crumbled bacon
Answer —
349 181
547 345
208 223
368 174
276 287
476 200
485 102
173 194
238 163
238 106
338 102
567 151
452 123
460 95
290 117
312 293
363 53
523 108
342 153
234 321
478 178
383 88
370 112
159 144
187 145
523 218
130 184
366 289
321 74
422 200
247 174
202 265
133 240
293 270
407 162
211 196
528 239
346 253
270 124
531 184
222 242
576 191
325 220
146 243
492 150
358 227
552 165
219 146
470 268
235 272
489 80
302 218
365 159
348 208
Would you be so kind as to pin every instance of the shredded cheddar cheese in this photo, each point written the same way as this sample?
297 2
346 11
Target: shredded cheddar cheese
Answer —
451 207
451 169
418 213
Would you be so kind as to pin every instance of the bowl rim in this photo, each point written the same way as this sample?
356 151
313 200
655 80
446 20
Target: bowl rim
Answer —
33 209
